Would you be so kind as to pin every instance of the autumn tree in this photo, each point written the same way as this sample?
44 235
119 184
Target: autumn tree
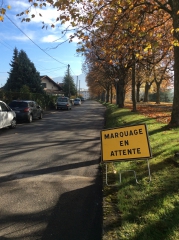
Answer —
166 13
97 79
161 74
90 16
96 90
140 79
3 10
114 61
133 25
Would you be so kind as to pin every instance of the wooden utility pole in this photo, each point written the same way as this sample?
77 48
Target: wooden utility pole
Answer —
69 80
77 87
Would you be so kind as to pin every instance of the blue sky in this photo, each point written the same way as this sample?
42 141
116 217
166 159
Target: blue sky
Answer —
38 43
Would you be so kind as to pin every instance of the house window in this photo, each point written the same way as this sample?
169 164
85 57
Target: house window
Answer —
44 85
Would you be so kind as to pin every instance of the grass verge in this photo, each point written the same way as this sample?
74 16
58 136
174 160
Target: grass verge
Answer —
144 211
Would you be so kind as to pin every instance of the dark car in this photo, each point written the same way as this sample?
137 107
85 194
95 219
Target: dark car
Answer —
26 110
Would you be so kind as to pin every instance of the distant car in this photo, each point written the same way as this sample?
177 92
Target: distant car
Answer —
82 99
7 116
26 110
77 101
63 103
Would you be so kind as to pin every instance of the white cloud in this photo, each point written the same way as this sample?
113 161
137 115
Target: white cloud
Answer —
30 34
20 38
18 5
18 35
51 38
49 16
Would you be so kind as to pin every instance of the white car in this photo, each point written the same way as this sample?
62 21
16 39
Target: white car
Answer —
77 101
7 116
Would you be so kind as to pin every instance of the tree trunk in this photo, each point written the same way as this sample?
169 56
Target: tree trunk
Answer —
134 109
138 92
175 110
107 94
111 96
120 94
147 88
158 93
146 94
103 96
117 92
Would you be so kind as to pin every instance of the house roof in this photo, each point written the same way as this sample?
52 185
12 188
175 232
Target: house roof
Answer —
51 80
61 84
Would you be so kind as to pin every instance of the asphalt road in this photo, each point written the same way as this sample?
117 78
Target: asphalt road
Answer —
50 182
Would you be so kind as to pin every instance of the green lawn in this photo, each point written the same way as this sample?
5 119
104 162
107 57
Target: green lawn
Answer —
144 211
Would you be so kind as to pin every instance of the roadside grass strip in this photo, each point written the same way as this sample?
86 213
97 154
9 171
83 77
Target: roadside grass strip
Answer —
144 211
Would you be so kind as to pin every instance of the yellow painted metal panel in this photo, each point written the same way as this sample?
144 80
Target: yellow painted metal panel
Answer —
125 143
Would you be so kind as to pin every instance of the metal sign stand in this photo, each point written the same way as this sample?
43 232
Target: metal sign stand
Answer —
111 185
120 175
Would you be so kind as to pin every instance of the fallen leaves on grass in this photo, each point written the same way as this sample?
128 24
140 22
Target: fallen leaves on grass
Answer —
160 112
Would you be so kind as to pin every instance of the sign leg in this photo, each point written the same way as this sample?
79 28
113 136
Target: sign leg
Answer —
150 179
112 185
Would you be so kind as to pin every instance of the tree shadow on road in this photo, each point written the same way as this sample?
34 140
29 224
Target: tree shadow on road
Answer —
69 218
77 214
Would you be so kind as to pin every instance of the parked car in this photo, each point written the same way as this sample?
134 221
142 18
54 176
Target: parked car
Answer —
63 103
26 110
77 101
82 99
7 116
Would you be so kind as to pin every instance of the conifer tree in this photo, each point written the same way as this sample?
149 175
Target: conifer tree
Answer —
23 72
69 88
11 81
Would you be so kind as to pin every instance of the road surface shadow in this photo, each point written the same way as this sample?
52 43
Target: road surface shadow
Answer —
77 215
49 170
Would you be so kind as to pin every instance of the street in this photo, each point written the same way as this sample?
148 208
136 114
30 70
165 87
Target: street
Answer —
50 182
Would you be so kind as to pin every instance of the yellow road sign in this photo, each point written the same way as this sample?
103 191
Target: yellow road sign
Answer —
125 143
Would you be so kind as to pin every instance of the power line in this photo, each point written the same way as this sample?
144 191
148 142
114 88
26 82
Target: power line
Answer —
5 45
43 69
50 71
54 69
34 42
72 71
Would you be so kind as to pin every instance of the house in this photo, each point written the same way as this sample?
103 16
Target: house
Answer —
50 86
